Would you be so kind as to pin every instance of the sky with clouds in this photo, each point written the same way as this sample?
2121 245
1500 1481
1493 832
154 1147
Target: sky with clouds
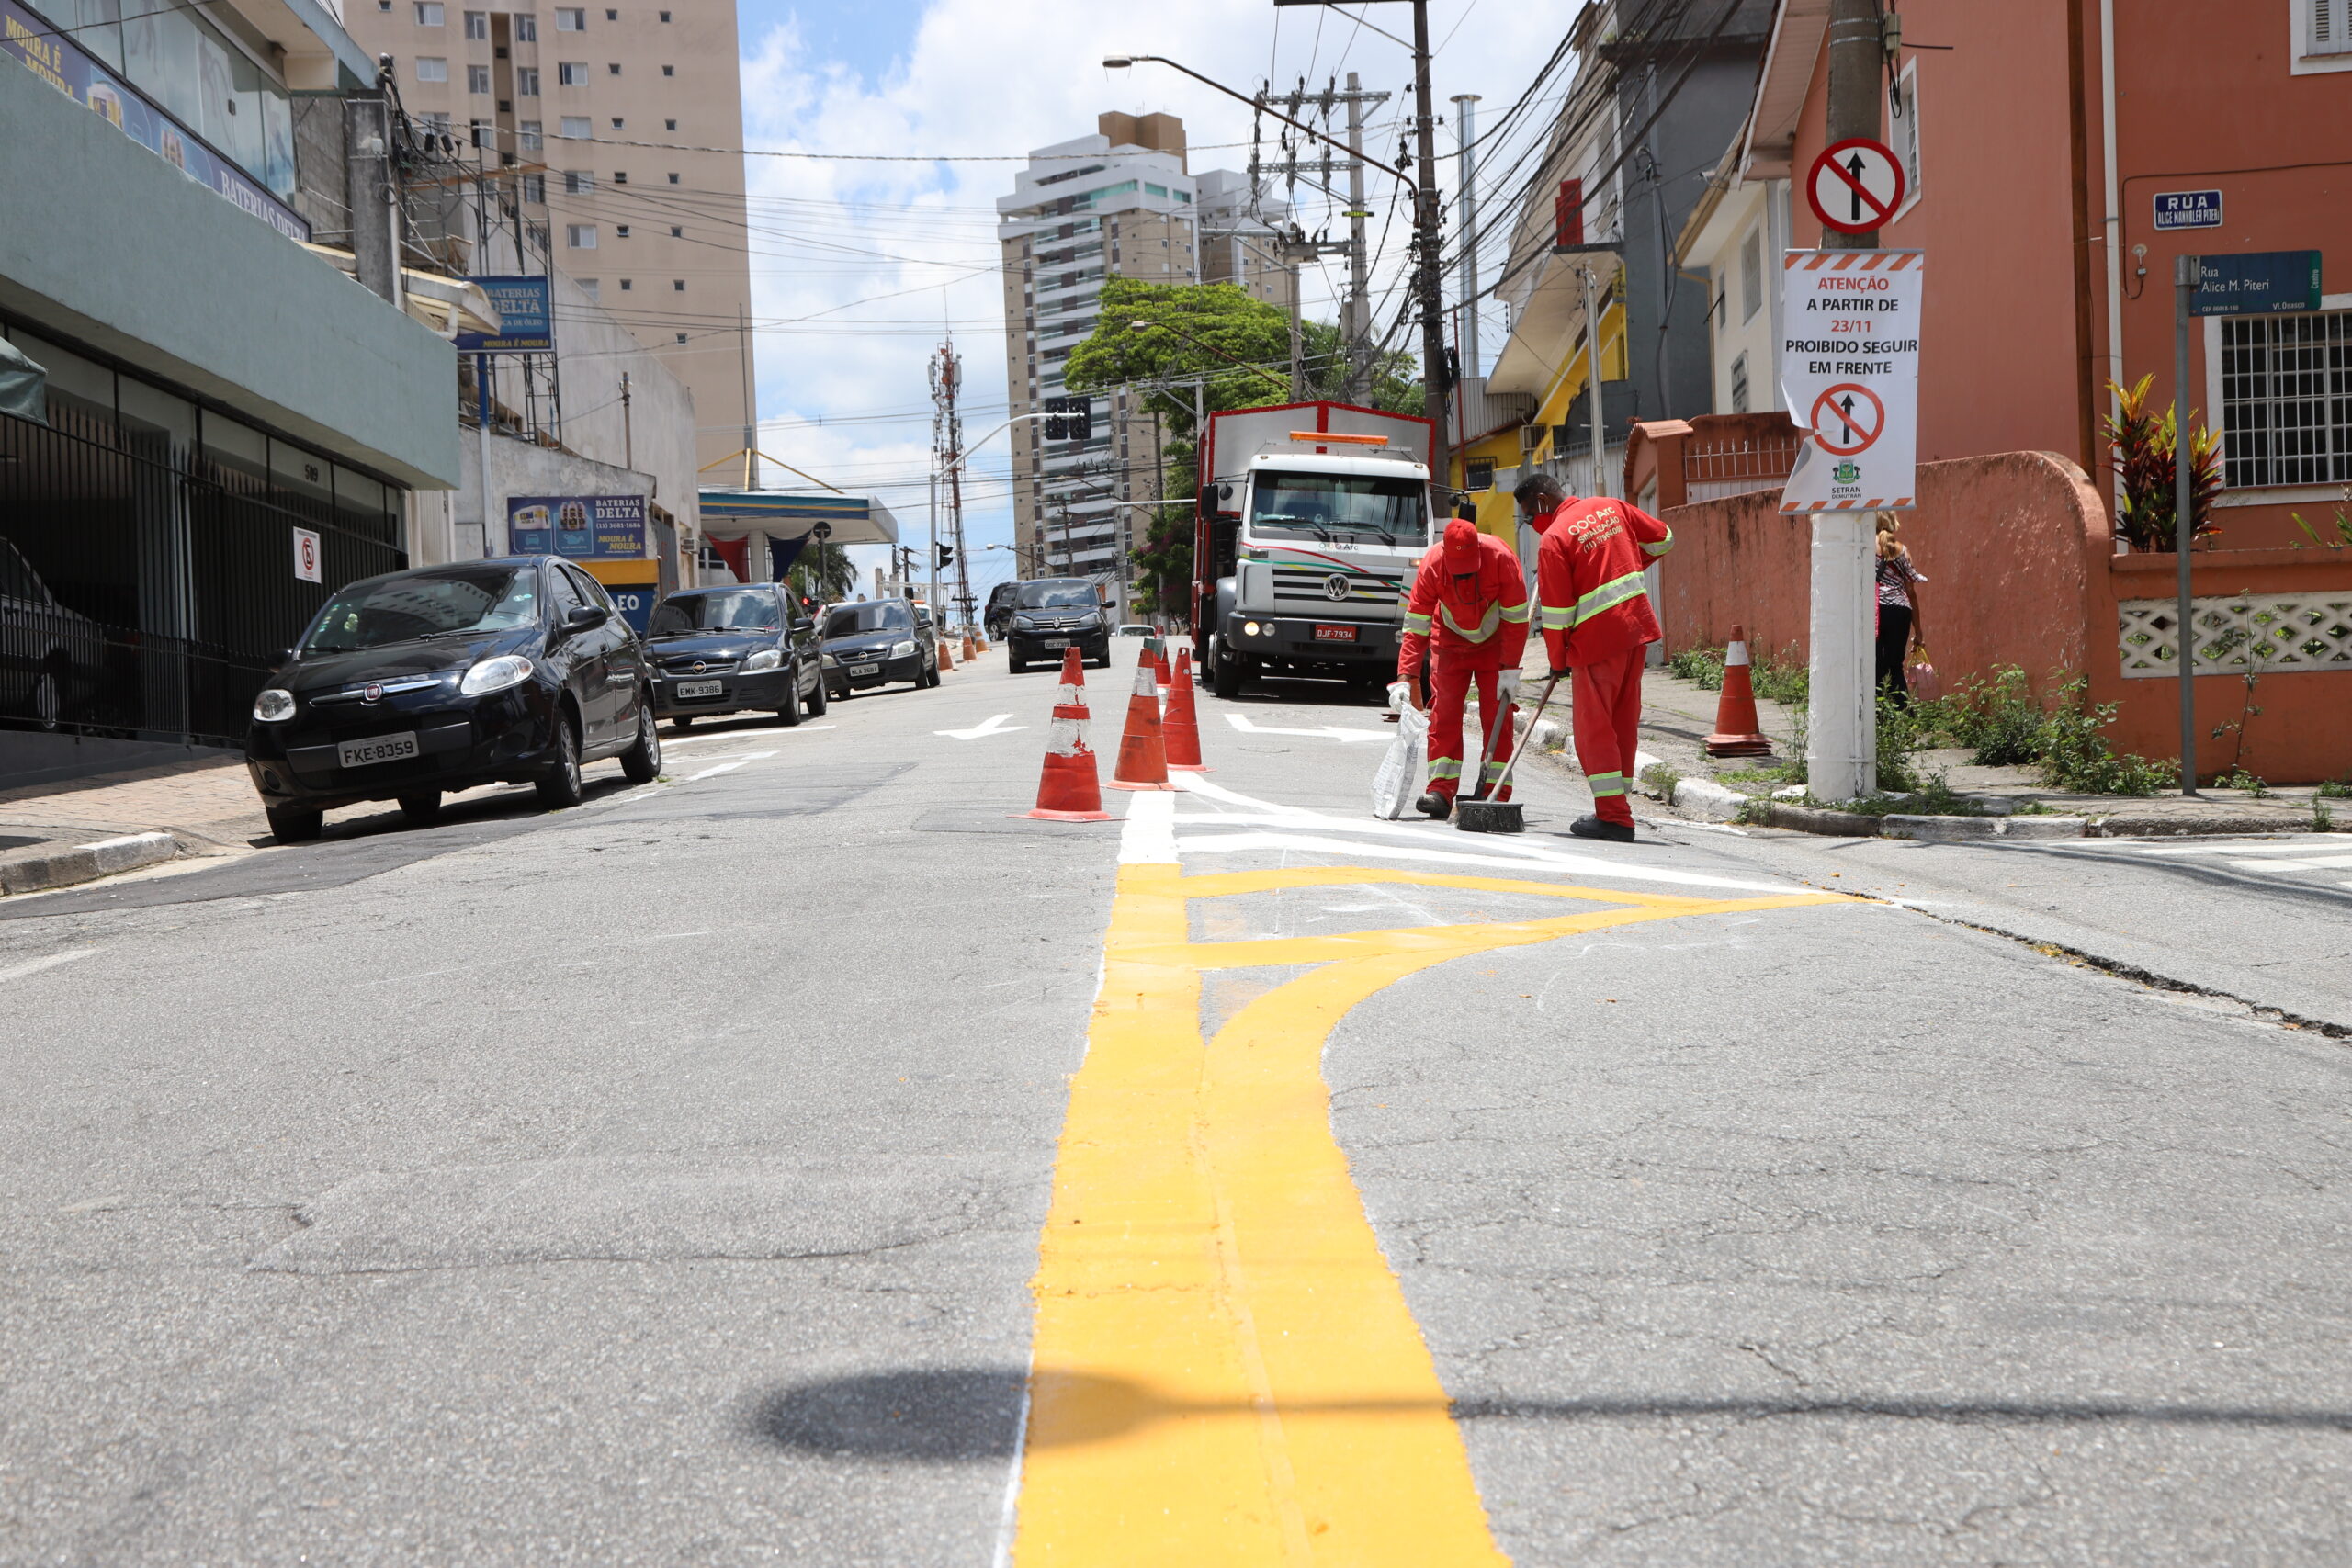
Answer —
858 267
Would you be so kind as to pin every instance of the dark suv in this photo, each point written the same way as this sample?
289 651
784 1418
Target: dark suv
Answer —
443 677
874 642
725 650
1055 612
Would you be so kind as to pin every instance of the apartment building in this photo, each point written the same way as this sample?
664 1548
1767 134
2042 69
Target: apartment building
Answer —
595 112
1121 202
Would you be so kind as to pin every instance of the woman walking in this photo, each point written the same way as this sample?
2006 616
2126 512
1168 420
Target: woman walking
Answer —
1898 610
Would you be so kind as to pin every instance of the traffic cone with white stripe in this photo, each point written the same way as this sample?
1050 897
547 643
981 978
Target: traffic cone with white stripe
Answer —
1143 754
1737 732
946 658
1069 790
1179 727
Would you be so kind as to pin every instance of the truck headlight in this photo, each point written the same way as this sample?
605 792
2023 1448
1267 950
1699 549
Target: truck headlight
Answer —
766 658
1248 628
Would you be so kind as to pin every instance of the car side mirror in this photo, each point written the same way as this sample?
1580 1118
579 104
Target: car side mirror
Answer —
585 618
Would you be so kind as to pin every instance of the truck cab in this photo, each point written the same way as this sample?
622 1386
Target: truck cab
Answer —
1309 539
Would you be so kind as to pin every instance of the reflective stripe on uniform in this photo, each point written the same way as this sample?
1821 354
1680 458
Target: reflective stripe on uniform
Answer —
1654 551
1517 614
1447 768
1486 623
1609 596
1495 769
1417 624
1606 784
1558 618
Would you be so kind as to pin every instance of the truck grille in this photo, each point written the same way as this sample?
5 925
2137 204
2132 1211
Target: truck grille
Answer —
1300 586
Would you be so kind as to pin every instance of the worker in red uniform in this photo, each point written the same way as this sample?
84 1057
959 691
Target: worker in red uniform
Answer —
1469 612
1597 622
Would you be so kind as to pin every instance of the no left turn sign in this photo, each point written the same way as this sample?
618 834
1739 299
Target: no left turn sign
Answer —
1847 418
1855 186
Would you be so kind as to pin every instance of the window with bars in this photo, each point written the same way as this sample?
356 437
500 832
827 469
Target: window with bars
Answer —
1739 382
2287 400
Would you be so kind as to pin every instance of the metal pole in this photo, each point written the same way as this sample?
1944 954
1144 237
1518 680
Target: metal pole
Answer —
2184 281
1592 384
1463 123
750 427
1359 314
1429 288
629 431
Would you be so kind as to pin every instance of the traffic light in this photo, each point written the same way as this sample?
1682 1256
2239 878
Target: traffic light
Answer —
1069 419
947 554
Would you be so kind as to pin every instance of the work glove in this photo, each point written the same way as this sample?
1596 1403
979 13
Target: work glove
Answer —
1400 697
1507 686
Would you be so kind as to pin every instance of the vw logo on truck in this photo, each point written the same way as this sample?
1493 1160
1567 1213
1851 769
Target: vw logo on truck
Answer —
1335 588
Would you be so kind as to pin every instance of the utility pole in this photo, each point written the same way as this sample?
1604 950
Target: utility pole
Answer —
628 434
750 421
1355 311
1463 122
947 444
1841 738
1359 307
1433 379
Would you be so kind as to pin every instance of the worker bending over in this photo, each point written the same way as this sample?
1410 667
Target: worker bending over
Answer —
1597 622
1468 611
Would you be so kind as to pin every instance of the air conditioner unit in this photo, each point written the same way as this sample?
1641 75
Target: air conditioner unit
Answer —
1530 437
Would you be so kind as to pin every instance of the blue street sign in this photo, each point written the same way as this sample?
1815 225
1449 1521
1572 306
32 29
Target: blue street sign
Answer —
2188 209
525 316
2257 283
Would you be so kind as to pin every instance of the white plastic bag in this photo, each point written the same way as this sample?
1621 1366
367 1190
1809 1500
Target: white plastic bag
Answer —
1398 782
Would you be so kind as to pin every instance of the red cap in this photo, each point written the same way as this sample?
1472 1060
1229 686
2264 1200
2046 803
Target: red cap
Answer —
1461 546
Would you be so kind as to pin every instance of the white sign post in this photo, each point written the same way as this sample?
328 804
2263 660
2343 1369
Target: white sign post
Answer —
1849 376
306 556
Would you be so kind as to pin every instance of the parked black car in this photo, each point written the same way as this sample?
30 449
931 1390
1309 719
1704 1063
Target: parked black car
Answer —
997 618
445 677
878 641
1055 612
725 650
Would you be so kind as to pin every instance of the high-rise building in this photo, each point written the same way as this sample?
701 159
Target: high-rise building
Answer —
596 112
1121 203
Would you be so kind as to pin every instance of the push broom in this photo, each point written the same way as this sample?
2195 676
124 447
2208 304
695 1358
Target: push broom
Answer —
1487 814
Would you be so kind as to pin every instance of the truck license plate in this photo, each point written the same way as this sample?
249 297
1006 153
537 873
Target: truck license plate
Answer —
1335 633
382 749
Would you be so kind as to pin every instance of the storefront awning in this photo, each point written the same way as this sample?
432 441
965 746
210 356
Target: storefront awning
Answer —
448 305
855 520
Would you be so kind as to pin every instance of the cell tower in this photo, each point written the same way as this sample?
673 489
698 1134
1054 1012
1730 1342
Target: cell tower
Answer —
947 450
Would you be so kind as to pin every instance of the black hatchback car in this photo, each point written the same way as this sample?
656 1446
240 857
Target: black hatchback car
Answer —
874 642
728 650
443 677
1055 612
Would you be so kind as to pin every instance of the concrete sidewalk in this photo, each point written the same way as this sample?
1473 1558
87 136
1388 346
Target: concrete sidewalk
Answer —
53 835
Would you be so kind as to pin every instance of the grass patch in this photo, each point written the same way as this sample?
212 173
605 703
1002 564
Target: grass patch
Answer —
1662 779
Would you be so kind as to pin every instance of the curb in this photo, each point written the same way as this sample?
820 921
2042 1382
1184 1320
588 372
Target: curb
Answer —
1707 800
2122 827
84 863
1956 829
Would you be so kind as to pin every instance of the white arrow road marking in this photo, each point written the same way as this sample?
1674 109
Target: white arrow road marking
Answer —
19 971
994 724
1240 721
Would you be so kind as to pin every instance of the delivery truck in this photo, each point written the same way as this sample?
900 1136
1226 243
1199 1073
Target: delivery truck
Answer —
1313 518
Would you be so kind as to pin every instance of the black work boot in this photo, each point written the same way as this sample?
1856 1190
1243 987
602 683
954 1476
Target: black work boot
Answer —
1436 807
1598 827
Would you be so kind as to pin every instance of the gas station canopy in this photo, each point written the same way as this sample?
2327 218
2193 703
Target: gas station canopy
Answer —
853 519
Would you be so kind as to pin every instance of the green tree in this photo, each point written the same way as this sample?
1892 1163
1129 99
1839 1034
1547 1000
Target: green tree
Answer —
823 572
1211 326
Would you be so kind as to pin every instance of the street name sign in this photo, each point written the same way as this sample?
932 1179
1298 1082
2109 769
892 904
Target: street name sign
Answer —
2256 283
1850 374
2188 209
1855 186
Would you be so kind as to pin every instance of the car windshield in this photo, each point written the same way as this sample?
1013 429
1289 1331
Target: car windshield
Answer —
1354 508
445 602
1057 596
742 611
856 620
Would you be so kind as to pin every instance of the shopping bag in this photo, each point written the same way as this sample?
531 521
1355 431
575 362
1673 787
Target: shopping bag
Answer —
1925 684
1398 782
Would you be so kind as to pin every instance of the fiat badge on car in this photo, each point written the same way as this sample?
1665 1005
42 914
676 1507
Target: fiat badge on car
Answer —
373 692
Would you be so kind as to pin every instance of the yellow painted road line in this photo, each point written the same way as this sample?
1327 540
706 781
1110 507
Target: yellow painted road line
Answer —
1224 1369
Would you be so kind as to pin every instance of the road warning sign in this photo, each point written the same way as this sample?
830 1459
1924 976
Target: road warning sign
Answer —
1855 185
1849 374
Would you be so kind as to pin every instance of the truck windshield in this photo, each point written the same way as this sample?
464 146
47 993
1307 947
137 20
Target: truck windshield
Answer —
1344 508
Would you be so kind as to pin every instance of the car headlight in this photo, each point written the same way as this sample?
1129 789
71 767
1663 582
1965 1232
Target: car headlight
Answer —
274 706
827 661
1025 623
766 658
495 675
903 649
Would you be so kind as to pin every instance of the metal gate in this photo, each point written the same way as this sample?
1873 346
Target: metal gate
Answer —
145 593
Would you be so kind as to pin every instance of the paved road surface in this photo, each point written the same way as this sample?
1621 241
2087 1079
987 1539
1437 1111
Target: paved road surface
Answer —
665 1181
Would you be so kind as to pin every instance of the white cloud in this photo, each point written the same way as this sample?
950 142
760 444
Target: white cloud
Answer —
846 335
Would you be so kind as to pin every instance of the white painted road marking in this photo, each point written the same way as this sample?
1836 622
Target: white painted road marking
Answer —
1241 722
17 971
779 730
994 724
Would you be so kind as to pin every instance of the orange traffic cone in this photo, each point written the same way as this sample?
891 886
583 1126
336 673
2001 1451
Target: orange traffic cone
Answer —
1143 755
970 652
1180 730
1070 791
1165 676
946 658
1738 733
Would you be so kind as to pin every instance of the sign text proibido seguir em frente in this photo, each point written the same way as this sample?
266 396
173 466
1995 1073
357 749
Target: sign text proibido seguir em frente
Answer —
1849 376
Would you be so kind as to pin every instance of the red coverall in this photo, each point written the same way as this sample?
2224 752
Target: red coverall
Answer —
1469 608
1596 621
